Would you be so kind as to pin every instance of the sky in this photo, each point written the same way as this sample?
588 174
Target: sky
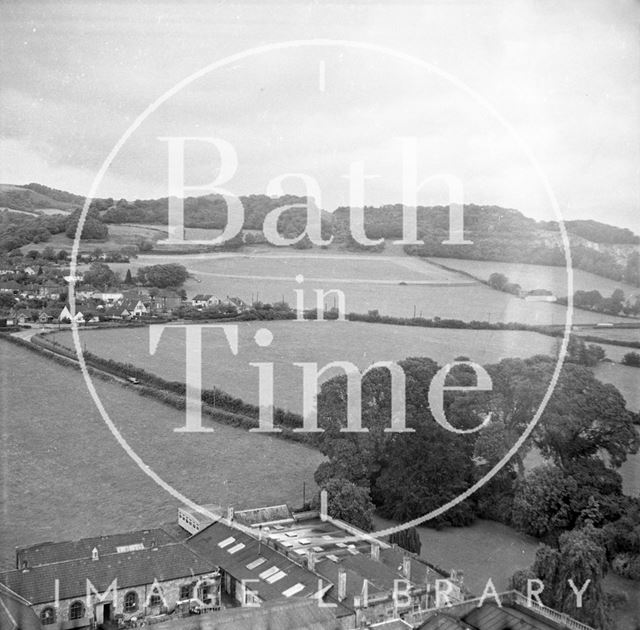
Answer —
563 76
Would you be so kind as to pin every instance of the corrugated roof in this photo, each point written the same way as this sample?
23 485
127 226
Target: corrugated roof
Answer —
172 561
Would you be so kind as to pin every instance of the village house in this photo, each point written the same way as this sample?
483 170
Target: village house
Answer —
108 297
205 300
10 286
166 301
130 308
92 581
239 304
51 290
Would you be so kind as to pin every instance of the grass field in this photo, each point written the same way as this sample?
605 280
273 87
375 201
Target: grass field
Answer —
64 476
531 277
616 334
369 283
119 236
361 343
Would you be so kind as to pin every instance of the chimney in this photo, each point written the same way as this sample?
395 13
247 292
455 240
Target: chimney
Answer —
375 551
94 554
342 584
25 566
323 505
230 512
406 567
311 560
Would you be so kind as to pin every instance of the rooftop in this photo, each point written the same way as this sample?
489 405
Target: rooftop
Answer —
130 568
48 552
291 615
246 558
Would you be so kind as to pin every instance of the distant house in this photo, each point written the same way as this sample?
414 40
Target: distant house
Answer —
9 286
239 304
540 295
65 315
205 300
126 309
18 317
30 271
166 301
108 297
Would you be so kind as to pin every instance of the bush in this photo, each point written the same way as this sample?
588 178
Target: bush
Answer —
632 359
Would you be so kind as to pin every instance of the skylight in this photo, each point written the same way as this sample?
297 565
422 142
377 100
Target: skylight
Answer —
270 571
226 542
272 579
236 548
254 564
127 548
296 588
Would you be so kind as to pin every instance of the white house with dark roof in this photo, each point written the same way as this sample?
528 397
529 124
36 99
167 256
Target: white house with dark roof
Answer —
205 300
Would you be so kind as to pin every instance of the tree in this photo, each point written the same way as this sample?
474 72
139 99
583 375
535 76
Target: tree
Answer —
128 279
7 300
93 227
162 276
580 558
99 275
498 281
350 503
48 253
579 352
632 359
409 474
582 419
408 539
543 505
632 269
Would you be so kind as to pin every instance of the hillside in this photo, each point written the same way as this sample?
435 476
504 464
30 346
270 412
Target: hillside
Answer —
498 234
34 197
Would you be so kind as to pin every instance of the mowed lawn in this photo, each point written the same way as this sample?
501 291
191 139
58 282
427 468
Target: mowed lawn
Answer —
310 341
531 277
64 476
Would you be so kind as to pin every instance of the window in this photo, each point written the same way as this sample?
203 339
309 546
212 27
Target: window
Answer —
131 602
76 610
185 591
155 600
48 616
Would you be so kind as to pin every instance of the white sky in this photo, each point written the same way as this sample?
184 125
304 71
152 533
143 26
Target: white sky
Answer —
73 76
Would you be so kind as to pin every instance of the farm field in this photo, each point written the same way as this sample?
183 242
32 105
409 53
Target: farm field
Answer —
616 334
271 278
531 277
320 342
65 477
361 343
119 236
